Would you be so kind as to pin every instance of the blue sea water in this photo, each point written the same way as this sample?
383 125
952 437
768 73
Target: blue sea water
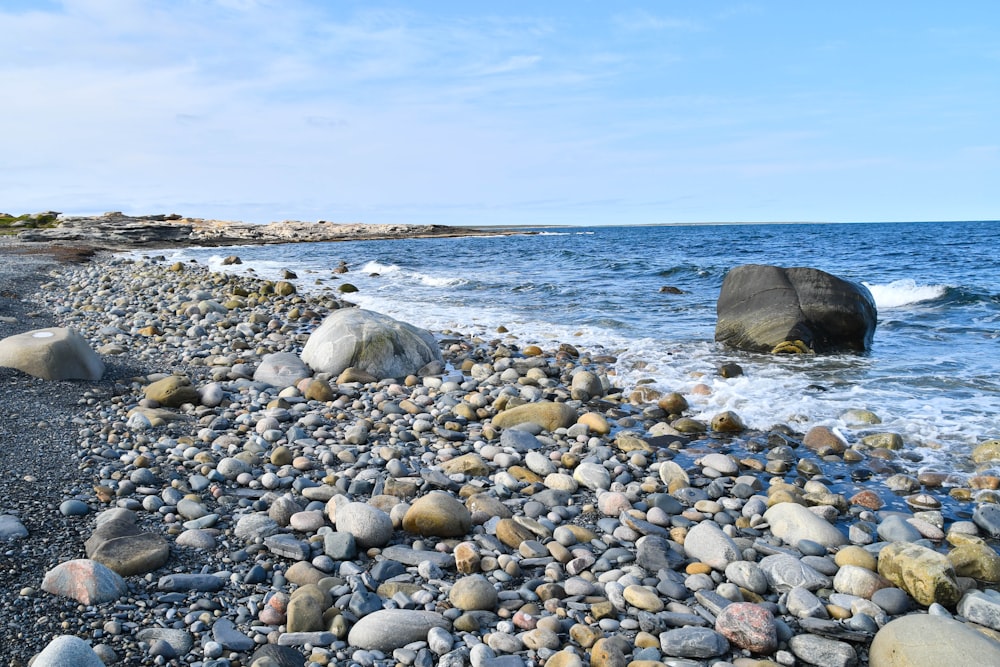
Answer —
933 374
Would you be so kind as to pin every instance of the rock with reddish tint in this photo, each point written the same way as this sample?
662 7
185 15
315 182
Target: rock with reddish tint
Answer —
748 626
867 499
86 581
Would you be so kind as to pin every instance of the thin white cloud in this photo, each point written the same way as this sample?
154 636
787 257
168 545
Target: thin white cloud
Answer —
511 64
640 20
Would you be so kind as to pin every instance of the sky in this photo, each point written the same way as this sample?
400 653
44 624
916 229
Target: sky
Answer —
509 113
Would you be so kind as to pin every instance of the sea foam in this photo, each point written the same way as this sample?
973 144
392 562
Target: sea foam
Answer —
905 292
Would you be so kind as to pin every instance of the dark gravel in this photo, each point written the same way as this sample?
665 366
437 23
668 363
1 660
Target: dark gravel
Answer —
39 465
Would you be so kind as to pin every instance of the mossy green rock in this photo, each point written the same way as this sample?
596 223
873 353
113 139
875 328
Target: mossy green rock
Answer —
172 391
925 574
977 560
892 441
986 451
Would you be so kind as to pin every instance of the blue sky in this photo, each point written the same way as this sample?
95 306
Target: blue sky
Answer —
502 113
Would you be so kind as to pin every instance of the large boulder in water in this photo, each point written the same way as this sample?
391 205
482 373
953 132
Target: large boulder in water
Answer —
56 353
772 309
372 342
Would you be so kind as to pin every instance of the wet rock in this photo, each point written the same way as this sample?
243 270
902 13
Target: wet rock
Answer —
761 308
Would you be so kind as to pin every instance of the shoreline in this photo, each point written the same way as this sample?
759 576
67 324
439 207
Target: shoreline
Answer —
118 232
106 449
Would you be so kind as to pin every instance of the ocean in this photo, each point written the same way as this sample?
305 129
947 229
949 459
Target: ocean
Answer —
932 375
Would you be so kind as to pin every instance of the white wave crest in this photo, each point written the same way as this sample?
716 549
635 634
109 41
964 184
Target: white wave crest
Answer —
397 272
379 268
904 292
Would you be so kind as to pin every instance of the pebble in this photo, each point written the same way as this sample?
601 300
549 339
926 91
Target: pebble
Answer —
816 650
72 507
748 626
693 643
707 543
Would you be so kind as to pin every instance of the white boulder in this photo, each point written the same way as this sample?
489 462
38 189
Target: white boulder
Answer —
373 342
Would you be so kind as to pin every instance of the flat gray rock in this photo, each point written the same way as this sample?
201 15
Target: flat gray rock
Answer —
793 523
389 629
785 572
225 632
693 643
816 650
180 641
982 607
408 556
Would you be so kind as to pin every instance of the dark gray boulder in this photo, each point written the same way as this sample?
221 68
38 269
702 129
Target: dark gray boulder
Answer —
798 310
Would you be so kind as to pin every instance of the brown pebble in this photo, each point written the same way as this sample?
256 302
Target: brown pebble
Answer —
867 498
985 482
698 568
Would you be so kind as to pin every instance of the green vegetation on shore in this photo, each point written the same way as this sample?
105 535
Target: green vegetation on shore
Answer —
10 224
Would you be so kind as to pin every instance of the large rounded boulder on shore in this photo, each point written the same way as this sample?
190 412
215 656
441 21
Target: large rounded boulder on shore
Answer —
369 341
925 640
773 309
56 353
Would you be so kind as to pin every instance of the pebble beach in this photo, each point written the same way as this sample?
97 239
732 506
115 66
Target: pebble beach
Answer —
514 507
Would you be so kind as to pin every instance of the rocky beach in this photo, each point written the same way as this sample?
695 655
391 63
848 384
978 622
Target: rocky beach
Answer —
212 500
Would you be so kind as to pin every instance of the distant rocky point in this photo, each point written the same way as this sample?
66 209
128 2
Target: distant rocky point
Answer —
118 231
